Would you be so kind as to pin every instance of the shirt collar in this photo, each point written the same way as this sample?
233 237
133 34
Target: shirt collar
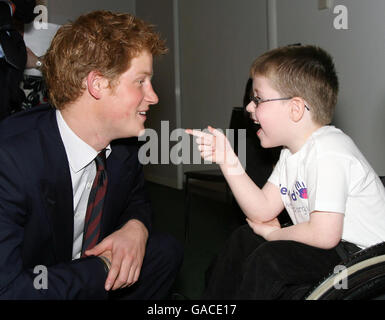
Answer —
79 153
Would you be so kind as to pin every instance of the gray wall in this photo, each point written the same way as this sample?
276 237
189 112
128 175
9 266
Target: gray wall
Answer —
61 11
218 41
161 14
359 54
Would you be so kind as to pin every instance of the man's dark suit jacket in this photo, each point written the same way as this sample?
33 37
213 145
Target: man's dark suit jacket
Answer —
37 214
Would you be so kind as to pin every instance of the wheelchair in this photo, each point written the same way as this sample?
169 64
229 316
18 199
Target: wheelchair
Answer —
361 277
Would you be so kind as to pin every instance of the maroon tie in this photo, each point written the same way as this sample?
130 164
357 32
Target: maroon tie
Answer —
95 204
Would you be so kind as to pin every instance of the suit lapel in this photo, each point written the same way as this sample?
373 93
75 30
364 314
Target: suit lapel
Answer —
57 189
58 193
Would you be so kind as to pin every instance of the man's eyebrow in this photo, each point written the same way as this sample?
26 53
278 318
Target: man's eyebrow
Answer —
146 73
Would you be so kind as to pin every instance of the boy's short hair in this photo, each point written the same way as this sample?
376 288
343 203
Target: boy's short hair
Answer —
302 71
100 41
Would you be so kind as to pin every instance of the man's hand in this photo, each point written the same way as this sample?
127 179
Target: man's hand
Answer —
125 248
264 228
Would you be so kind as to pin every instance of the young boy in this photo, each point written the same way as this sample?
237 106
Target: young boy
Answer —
334 198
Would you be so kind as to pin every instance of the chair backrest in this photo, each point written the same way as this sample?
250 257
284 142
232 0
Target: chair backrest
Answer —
237 122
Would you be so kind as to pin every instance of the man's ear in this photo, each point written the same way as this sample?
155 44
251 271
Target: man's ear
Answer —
297 108
96 83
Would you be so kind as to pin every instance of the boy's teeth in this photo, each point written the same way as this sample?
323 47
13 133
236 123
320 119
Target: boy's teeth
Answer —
142 112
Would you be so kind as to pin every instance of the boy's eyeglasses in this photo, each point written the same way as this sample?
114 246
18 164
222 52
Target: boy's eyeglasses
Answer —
258 100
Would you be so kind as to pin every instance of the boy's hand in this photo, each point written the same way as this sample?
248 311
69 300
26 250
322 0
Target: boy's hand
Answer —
264 228
214 146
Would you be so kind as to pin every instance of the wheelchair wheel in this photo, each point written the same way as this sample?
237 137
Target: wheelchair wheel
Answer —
360 278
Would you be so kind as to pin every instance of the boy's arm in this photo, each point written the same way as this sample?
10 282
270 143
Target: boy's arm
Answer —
257 204
260 205
323 230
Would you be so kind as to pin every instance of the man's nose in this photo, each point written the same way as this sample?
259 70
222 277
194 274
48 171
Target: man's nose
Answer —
151 96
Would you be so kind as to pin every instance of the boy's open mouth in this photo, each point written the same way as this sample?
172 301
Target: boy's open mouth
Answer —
256 125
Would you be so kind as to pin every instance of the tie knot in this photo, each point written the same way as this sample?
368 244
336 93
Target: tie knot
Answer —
101 160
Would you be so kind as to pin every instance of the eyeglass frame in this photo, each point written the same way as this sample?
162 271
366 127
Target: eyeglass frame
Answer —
258 100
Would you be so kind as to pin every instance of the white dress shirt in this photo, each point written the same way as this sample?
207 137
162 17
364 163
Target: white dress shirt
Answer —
83 170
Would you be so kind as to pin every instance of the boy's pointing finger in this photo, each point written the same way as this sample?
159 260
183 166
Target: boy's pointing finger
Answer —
196 133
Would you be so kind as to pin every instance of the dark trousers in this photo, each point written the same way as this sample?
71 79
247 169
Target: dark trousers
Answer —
250 267
161 264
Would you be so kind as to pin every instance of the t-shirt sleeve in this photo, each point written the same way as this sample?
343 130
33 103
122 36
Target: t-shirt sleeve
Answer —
328 181
275 175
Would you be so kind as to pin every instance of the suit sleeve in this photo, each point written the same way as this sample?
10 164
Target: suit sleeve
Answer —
78 279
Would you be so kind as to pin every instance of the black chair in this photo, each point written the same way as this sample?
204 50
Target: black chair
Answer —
208 175
212 176
363 274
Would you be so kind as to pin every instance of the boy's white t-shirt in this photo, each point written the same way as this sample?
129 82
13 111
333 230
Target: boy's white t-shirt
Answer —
330 174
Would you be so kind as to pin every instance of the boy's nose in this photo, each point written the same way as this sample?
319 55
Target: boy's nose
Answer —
250 107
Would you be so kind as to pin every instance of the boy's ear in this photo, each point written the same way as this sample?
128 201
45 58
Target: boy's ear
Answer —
297 109
95 84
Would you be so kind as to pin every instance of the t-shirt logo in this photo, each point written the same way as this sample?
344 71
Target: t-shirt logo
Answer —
300 191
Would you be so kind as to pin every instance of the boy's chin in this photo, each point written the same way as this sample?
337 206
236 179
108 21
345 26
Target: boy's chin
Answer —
266 145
